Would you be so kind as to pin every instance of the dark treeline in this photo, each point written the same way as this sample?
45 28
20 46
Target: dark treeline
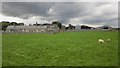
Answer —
4 24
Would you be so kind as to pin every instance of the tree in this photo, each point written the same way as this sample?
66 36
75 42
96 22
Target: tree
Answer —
21 24
85 27
36 24
45 24
4 25
71 26
58 23
14 23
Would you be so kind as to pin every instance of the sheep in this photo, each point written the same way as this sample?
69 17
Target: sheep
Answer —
108 40
100 40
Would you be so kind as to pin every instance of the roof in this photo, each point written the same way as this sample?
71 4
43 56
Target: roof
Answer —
10 27
29 27
104 26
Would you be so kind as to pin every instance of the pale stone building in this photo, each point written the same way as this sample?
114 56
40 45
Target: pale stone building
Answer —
45 28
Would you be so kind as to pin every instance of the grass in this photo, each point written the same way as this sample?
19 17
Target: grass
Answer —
62 49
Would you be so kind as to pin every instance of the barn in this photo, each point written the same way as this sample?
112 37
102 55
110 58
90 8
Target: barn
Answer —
105 27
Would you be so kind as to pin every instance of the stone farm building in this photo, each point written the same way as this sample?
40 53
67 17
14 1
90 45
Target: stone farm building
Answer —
105 27
77 27
45 28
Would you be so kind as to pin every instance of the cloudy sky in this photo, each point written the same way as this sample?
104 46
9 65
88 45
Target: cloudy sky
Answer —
76 13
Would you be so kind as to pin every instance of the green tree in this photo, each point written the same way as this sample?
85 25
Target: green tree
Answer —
4 25
13 23
71 26
20 24
58 23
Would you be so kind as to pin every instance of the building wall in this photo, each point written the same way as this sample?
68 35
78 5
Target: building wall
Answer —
77 27
47 28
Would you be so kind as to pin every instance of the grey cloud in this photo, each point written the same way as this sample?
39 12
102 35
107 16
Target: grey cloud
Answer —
0 7
100 20
25 9
62 11
71 10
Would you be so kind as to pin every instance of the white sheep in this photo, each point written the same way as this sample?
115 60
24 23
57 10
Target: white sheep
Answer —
100 40
108 40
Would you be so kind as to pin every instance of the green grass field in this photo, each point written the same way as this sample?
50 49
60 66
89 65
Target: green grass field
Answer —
61 49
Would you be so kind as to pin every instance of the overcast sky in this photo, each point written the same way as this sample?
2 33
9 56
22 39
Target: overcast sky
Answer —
76 13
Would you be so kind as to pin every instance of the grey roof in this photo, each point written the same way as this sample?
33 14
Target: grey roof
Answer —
105 26
10 27
26 27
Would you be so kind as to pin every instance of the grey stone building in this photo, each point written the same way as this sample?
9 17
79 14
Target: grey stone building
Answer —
104 27
45 28
77 27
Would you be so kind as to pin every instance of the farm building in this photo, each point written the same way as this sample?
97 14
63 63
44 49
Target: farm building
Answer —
105 27
77 27
45 28
86 27
62 28
70 27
